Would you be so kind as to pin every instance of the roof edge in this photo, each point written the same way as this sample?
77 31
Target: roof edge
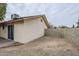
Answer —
45 20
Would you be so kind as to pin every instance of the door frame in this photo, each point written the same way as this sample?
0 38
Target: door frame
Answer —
11 32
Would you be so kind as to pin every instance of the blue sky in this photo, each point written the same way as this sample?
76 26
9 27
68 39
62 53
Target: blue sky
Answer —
56 13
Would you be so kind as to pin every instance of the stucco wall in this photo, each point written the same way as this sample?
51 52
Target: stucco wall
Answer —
29 30
43 23
33 29
18 32
26 30
4 32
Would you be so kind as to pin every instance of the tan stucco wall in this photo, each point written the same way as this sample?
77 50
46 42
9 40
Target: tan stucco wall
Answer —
29 30
18 32
4 32
33 29
26 31
43 23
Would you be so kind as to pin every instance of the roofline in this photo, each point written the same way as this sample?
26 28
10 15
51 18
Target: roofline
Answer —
45 20
28 17
43 16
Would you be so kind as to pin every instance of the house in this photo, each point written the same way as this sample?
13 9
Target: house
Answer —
24 29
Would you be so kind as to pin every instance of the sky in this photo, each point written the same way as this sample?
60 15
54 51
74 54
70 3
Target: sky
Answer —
57 13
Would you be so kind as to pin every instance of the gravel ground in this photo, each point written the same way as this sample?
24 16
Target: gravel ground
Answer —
45 46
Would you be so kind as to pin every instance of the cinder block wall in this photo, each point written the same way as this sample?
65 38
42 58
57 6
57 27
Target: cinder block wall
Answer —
71 35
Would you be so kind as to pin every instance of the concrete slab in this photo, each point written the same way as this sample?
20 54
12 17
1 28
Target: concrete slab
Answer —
7 43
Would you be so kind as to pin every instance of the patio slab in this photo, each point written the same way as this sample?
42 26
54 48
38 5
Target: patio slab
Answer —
7 43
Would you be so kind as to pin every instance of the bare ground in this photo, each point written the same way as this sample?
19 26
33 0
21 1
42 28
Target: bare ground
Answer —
45 46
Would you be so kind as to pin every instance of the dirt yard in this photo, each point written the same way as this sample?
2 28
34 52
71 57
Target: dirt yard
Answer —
45 46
